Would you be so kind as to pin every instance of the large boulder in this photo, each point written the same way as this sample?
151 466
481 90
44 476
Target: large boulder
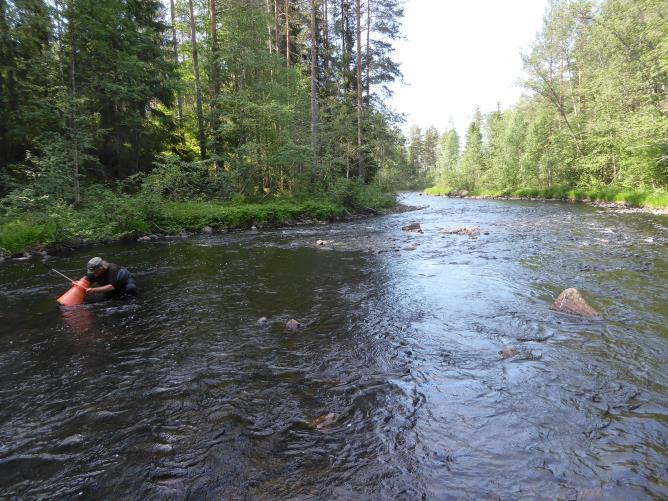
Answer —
571 301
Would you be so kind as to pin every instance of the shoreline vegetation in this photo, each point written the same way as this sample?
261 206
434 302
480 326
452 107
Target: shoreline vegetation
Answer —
127 218
650 200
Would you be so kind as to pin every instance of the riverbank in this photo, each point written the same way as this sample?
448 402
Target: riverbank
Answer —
129 218
648 201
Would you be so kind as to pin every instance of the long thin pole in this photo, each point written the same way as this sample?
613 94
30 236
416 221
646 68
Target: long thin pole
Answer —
61 274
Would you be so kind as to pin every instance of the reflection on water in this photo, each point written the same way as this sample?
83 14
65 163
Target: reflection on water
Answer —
394 388
79 319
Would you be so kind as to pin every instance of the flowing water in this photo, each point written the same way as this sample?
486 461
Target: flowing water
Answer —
181 393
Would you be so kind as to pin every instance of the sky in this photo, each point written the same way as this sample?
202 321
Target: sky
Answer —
461 53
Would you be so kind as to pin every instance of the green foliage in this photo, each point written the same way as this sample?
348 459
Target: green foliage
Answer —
634 198
597 118
357 195
18 235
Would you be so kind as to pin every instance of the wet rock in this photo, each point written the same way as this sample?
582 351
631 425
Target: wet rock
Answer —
154 237
507 352
161 449
254 228
324 242
414 227
472 231
207 230
262 320
323 423
71 441
571 301
21 256
293 325
145 238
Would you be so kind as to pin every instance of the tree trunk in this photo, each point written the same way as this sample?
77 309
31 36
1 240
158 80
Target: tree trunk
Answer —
73 120
287 33
198 92
179 97
314 89
325 33
214 74
268 27
360 110
368 51
277 31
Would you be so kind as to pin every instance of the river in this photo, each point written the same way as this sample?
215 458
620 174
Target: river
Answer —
181 393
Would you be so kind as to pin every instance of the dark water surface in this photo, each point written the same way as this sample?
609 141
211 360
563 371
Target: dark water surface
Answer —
181 394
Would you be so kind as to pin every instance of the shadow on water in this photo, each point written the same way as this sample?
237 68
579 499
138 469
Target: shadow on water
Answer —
395 386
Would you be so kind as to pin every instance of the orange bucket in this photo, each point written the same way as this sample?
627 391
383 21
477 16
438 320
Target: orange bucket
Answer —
76 294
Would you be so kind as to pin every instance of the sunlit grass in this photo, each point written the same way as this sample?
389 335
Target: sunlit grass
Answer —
634 198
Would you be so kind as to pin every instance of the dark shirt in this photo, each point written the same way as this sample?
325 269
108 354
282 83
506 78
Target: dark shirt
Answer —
114 275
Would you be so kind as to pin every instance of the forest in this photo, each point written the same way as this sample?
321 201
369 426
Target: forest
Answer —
593 122
127 117
126 108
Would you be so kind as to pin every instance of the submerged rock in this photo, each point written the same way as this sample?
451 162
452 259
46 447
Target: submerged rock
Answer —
71 441
324 242
262 320
293 325
507 352
472 231
571 301
412 227
324 422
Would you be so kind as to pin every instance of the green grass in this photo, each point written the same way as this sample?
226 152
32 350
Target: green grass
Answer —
657 199
134 216
177 216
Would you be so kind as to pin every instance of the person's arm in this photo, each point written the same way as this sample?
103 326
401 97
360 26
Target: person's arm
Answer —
104 288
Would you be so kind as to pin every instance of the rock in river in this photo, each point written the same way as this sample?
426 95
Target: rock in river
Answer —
507 352
413 227
293 325
473 231
323 423
571 301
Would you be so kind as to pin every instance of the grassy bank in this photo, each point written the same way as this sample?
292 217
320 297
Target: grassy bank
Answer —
126 217
656 199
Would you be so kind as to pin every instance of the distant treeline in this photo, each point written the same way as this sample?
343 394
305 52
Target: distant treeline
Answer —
595 115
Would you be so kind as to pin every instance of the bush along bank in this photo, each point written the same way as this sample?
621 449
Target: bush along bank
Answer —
125 217
654 199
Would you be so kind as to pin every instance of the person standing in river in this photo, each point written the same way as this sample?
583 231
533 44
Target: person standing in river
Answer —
112 279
